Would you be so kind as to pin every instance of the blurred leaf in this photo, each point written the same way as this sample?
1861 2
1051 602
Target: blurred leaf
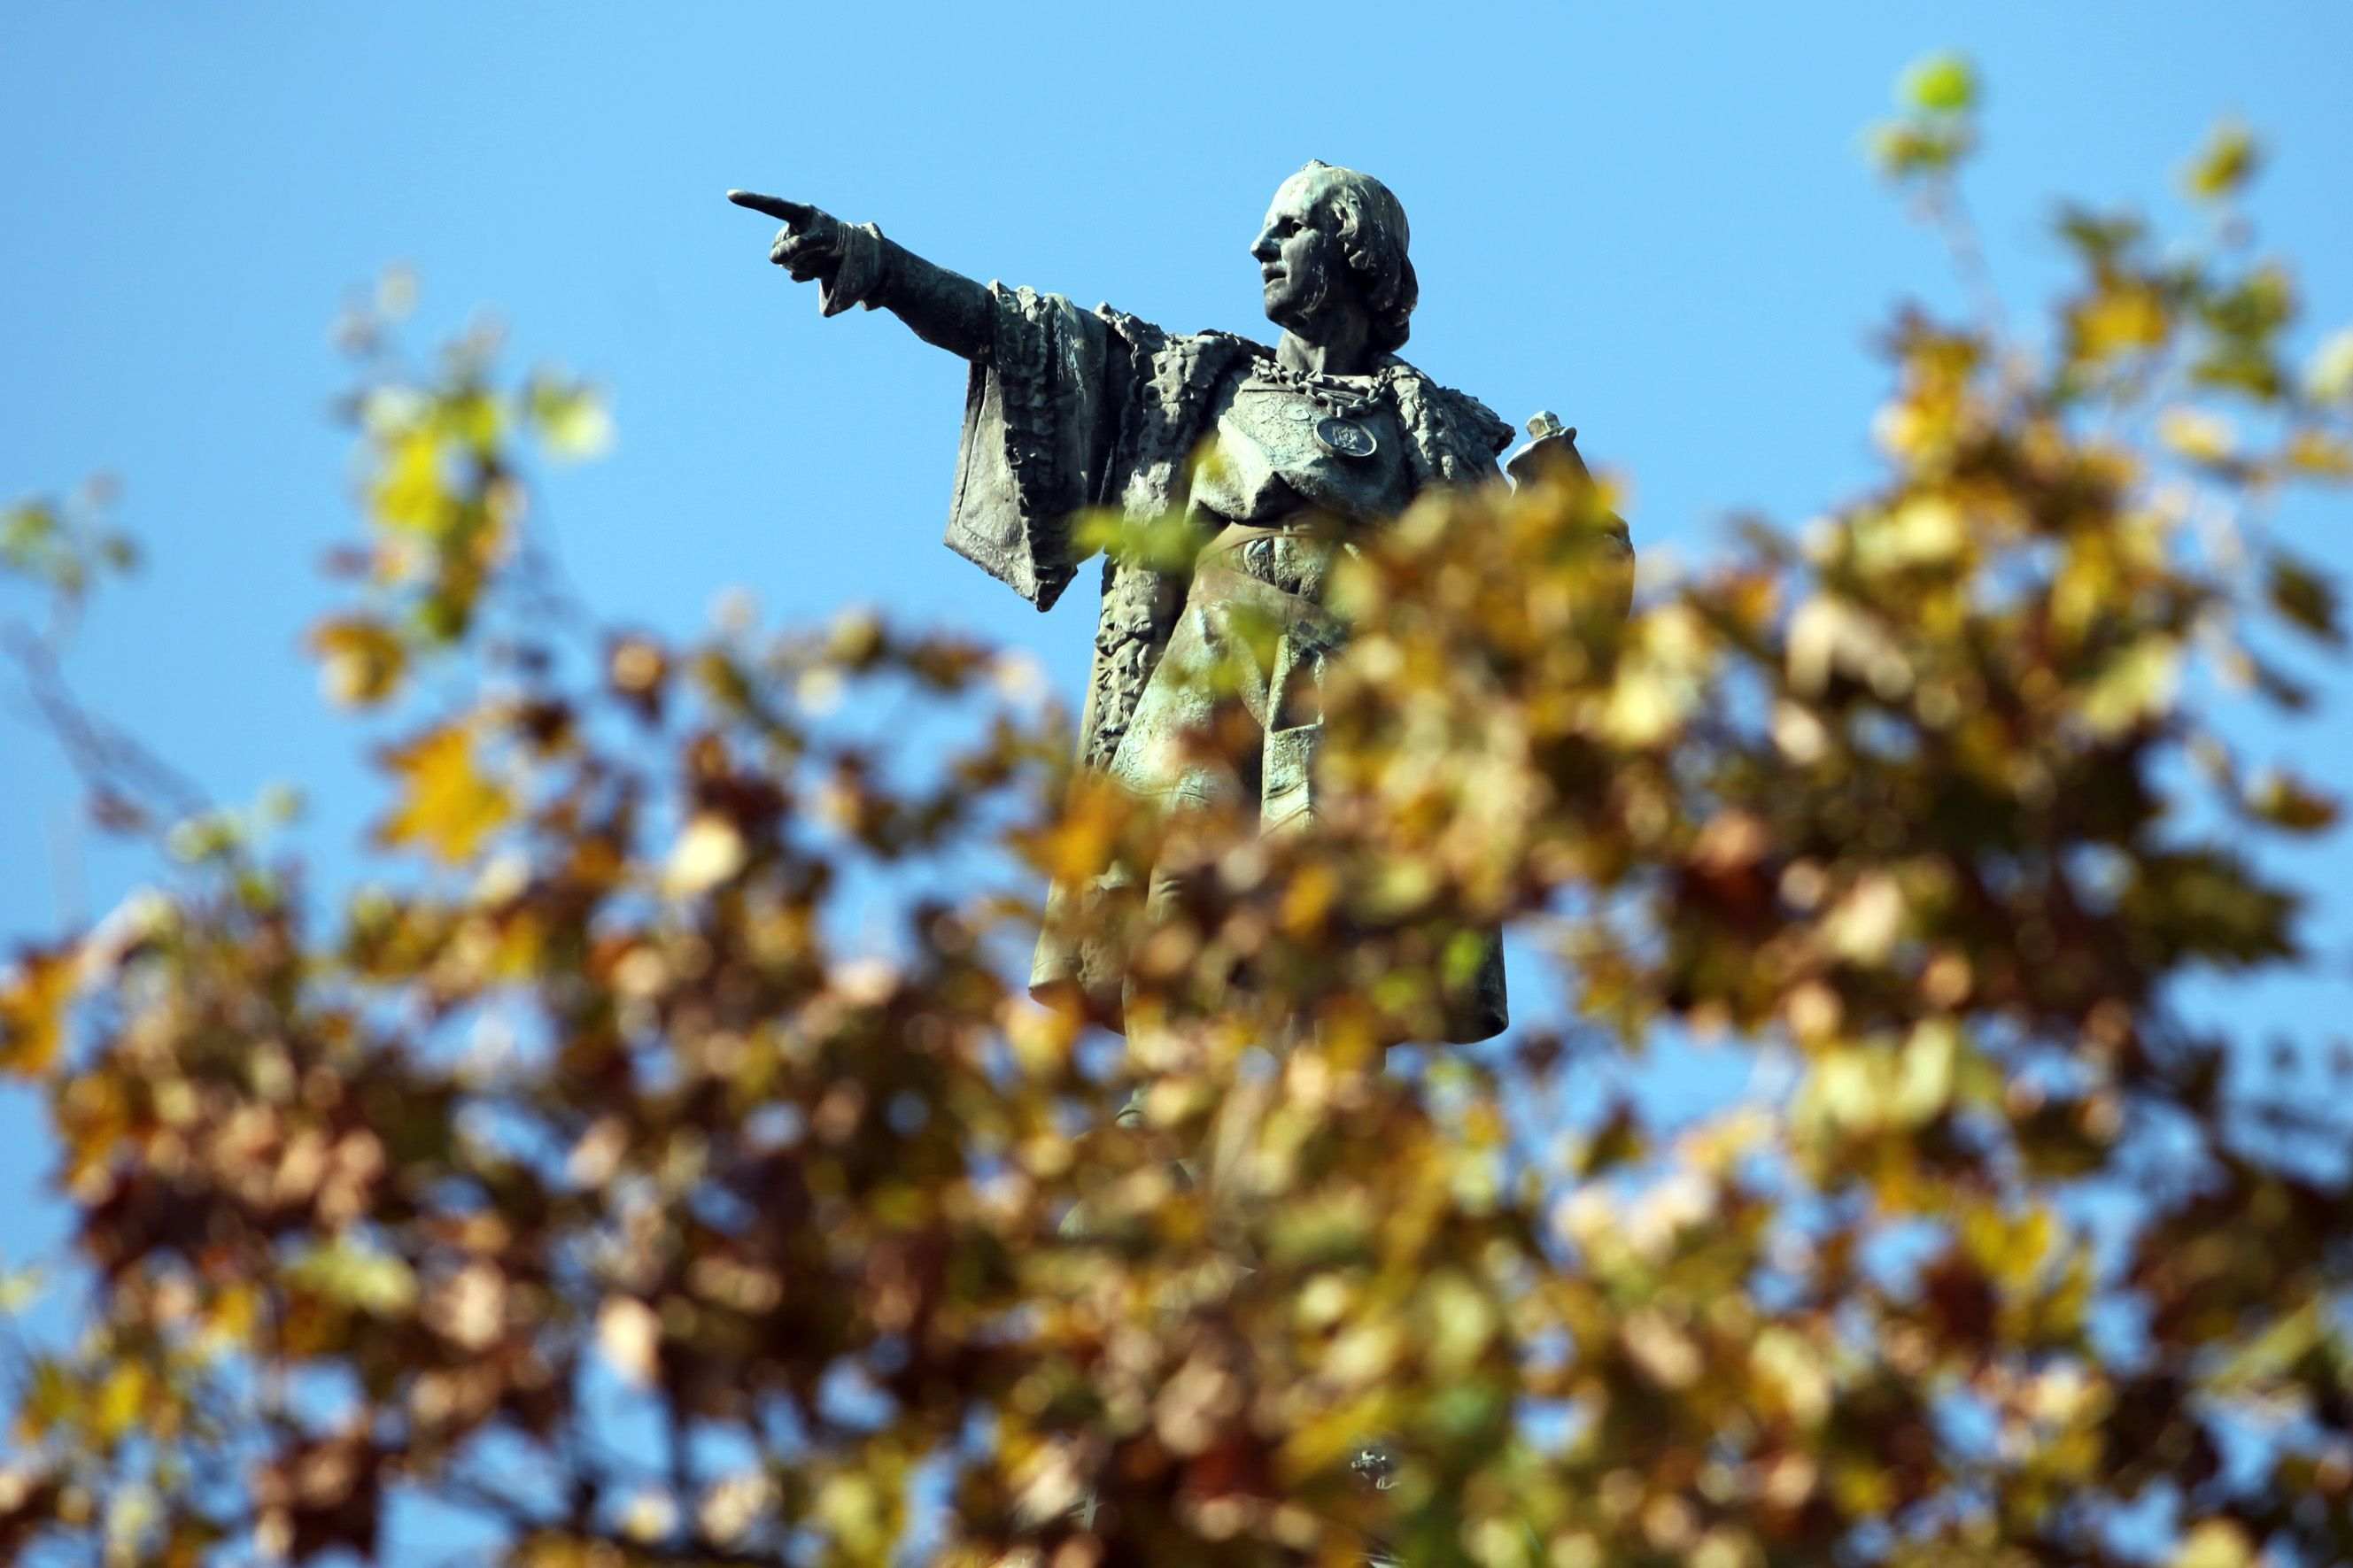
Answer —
1940 84
2330 377
361 661
445 806
2214 1544
2125 316
2224 165
19 1289
357 1277
34 995
1165 543
26 534
2286 803
571 417
1902 150
2200 437
629 1334
709 852
2136 685
2308 600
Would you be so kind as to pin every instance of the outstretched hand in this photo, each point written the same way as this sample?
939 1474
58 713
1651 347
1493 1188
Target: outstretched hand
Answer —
791 214
808 245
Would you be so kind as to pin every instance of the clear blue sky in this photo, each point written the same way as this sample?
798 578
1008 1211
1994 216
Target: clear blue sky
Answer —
1653 218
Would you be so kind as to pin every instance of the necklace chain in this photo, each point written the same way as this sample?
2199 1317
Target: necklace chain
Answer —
1315 386
1338 431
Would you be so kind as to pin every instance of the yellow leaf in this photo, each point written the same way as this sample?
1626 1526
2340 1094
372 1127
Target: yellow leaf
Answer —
2225 163
2273 1354
1846 1089
709 851
411 493
446 806
1457 1324
2138 684
1940 84
2329 378
734 1504
1308 899
361 1277
2012 1249
2127 315
473 418
1924 1080
1864 925
1079 845
572 419
1905 148
2200 437
650 1515
470 1307
2325 457
19 1289
1794 1373
361 660
120 1400
1666 1354
1926 530
2214 1544
631 1336
32 1010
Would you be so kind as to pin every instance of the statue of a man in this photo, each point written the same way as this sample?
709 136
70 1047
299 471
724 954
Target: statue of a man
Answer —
1326 433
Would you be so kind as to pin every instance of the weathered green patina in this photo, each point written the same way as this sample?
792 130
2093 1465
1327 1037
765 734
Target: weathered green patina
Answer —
1278 454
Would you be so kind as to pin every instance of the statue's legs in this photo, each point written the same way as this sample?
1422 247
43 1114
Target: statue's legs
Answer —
1243 671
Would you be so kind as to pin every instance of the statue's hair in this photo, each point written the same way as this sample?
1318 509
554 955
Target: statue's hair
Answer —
1374 238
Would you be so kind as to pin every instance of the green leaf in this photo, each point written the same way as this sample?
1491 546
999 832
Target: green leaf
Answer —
2102 238
1165 543
571 417
2304 597
1901 149
2225 165
2138 684
19 1289
2330 378
1942 83
29 531
358 1276
2291 804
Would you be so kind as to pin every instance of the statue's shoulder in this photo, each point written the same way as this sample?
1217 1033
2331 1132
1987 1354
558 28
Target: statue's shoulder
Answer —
1449 416
1209 348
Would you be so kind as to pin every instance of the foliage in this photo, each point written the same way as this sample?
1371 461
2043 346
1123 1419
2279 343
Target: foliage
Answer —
582 1177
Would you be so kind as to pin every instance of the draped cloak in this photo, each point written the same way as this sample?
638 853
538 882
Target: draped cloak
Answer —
1072 409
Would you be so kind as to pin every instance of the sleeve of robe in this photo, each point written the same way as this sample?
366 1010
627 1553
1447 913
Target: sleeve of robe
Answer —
1040 422
1072 409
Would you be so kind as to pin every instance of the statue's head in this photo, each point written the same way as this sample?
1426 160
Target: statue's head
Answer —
1336 238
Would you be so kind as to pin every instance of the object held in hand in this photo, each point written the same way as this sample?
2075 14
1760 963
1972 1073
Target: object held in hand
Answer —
1551 449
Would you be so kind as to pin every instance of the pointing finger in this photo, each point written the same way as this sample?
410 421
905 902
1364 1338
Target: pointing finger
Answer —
775 207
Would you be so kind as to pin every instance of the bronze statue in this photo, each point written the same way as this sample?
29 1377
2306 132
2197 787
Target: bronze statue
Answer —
1326 432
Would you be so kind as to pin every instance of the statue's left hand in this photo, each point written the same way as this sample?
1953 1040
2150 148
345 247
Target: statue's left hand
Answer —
809 245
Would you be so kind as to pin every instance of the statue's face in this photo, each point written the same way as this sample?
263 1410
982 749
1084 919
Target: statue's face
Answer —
1298 257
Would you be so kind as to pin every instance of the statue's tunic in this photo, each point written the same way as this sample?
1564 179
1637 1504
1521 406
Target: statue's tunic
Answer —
1070 410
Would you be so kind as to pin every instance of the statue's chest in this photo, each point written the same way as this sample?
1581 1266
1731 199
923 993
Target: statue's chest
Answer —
1279 450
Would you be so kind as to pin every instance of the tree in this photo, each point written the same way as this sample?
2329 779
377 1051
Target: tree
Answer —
582 1179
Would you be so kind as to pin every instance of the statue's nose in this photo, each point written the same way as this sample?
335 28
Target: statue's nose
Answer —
1263 248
